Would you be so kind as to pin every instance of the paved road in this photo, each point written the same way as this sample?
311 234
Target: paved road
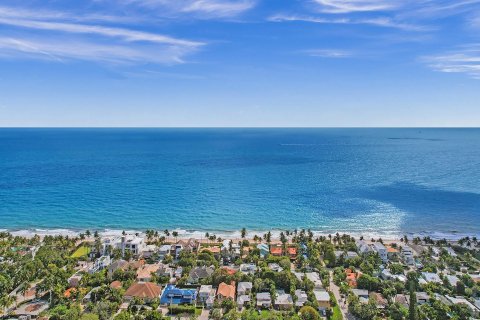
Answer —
341 303
204 315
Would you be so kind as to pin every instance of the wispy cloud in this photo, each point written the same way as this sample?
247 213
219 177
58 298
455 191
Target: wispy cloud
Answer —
61 37
346 6
464 60
328 53
203 9
380 21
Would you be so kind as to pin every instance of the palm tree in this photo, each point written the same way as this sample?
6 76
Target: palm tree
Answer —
175 234
243 233
167 233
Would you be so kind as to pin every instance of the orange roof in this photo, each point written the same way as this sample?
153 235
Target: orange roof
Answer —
292 250
68 293
116 284
392 250
144 290
226 290
230 271
146 271
276 250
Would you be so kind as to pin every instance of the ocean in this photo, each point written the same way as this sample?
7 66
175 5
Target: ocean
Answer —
362 181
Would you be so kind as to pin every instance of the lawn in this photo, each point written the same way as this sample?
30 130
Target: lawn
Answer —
337 314
81 252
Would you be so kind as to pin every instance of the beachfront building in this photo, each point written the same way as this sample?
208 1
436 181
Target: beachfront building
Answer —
292 253
264 250
131 242
173 296
164 250
276 250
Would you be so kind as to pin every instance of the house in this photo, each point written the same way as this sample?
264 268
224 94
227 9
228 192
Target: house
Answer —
461 300
264 300
386 274
361 294
173 295
190 245
145 272
276 251
117 265
323 299
74 280
226 291
199 273
100 264
242 300
166 271
302 297
402 299
204 293
292 253
244 288
315 278
431 277
149 251
248 268
131 242
116 284
363 247
346 255
422 297
351 277
164 251
275 267
263 248
452 280
230 248
450 251
380 301
175 250
213 250
283 301
143 290
178 272
381 250
407 255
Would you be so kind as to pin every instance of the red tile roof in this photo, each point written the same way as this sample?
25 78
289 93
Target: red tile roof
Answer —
144 290
226 290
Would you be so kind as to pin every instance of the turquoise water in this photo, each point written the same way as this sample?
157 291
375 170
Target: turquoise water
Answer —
383 181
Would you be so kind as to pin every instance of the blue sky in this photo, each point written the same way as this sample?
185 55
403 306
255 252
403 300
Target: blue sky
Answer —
240 63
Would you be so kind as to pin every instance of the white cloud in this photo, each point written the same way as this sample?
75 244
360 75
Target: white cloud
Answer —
328 53
346 6
60 37
199 8
464 60
380 21
66 49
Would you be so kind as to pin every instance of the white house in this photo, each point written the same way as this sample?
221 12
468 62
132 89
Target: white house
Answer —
431 277
283 300
244 288
302 297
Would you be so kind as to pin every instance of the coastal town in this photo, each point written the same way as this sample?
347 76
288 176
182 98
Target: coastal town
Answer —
297 275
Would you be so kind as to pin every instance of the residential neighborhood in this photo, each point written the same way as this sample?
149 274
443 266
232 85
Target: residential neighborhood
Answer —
154 275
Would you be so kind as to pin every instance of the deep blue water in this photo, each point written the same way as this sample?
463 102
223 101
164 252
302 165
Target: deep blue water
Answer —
358 180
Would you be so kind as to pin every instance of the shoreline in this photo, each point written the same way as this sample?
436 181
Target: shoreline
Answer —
232 234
